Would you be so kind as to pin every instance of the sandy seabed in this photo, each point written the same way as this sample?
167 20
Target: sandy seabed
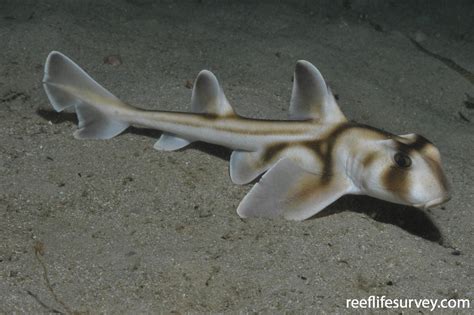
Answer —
117 227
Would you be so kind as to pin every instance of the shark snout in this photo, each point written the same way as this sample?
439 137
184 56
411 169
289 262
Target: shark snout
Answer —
435 202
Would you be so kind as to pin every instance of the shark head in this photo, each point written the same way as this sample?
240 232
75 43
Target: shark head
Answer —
404 169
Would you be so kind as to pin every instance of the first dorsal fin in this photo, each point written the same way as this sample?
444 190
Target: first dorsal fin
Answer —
208 98
311 98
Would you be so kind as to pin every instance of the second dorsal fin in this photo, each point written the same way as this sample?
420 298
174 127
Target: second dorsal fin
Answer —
208 96
311 98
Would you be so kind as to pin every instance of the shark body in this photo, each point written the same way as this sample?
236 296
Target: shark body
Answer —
308 161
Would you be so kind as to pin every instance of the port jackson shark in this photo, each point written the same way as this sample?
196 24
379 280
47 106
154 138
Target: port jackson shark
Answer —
308 161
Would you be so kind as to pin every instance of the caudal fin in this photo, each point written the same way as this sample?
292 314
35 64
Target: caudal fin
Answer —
67 85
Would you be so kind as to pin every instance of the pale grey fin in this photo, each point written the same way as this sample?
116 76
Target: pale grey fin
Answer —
246 166
93 124
67 85
311 98
207 98
170 142
289 191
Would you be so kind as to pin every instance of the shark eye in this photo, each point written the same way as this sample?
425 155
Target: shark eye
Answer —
402 160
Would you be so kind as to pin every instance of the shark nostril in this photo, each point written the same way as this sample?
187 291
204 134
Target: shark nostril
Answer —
446 195
447 198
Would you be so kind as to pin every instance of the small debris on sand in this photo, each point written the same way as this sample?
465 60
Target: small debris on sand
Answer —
419 36
189 84
113 60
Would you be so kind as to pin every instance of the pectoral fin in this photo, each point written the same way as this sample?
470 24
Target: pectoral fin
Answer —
289 191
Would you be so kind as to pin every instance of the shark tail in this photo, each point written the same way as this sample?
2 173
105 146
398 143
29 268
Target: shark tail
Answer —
67 85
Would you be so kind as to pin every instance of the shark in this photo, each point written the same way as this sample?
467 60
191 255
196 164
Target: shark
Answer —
300 165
